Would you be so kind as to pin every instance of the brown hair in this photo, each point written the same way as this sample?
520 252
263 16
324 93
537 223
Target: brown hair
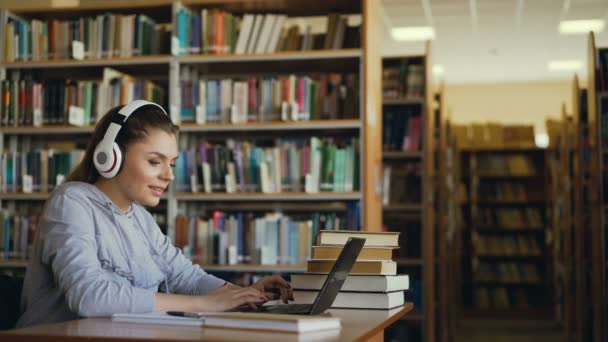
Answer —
134 129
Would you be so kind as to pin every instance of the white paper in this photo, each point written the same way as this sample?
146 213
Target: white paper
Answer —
37 117
77 50
76 116
59 179
28 186
175 46
201 114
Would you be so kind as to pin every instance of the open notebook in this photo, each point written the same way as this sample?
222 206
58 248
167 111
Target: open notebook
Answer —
239 320
157 317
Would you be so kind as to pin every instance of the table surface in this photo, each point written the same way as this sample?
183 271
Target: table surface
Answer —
356 325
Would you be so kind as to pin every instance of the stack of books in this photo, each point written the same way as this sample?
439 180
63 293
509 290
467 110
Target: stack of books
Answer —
373 282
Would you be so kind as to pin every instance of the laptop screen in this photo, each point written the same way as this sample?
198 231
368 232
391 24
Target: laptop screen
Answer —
337 276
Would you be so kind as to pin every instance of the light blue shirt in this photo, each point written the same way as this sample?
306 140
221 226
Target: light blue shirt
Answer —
91 259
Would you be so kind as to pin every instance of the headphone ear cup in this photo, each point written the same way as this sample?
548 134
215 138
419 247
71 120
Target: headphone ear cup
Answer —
120 160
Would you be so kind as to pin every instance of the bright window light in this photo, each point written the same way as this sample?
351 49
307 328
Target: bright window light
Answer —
566 65
581 26
413 33
541 140
437 70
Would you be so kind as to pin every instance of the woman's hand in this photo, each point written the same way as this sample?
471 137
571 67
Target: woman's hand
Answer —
231 298
269 283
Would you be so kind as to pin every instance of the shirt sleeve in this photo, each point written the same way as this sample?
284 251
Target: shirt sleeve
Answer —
70 249
184 277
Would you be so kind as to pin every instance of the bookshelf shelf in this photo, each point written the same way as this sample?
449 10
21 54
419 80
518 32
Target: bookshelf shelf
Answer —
401 155
38 196
544 313
45 130
497 176
278 206
511 202
339 54
274 126
97 62
388 101
10 263
402 207
496 257
507 284
254 268
510 231
299 196
34 196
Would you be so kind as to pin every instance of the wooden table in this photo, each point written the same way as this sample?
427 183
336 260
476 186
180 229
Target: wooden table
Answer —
357 325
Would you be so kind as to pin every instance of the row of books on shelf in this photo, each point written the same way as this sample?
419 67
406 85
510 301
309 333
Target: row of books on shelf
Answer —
510 273
266 239
102 36
17 234
602 69
373 282
402 129
26 101
214 31
272 98
403 80
508 165
310 165
39 170
208 31
503 298
401 184
603 114
506 246
494 136
508 191
510 218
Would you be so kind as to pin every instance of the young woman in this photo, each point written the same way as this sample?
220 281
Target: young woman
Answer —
97 251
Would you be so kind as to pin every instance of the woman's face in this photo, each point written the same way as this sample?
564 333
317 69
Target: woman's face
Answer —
148 167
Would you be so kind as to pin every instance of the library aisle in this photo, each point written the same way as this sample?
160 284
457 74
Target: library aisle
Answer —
466 140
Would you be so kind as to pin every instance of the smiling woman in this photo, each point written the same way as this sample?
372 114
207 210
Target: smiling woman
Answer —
98 251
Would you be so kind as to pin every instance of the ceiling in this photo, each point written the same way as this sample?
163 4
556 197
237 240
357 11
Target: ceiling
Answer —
495 40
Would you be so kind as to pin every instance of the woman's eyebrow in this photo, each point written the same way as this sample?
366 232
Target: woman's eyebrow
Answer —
161 155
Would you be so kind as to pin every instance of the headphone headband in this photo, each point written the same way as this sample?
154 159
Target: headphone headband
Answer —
108 157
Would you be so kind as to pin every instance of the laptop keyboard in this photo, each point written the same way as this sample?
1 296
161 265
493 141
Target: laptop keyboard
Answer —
293 309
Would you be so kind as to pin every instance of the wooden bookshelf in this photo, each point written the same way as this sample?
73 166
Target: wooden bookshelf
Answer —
578 266
254 268
274 126
595 241
90 62
45 130
364 62
13 263
402 105
560 152
284 196
492 246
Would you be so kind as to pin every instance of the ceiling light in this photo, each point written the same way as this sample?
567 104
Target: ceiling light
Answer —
437 70
413 33
581 26
566 65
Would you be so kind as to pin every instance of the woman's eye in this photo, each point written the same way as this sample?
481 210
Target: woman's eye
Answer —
154 162
172 165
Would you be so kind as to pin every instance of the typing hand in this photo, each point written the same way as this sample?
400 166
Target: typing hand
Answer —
269 285
229 299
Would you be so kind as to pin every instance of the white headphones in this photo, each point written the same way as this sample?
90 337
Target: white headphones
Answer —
108 154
